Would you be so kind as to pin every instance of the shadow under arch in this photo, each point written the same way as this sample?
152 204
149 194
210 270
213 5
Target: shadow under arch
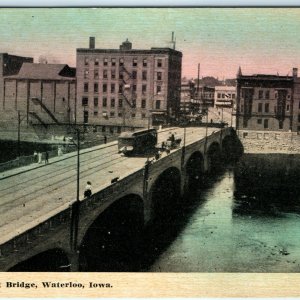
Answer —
194 172
214 158
165 193
112 242
53 260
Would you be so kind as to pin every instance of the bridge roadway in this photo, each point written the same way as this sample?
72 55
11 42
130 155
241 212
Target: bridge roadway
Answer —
32 194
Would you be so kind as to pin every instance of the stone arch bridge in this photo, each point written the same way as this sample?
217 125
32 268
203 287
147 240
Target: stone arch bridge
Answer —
110 218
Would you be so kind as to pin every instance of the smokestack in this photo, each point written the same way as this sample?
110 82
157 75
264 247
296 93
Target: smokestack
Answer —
295 72
92 42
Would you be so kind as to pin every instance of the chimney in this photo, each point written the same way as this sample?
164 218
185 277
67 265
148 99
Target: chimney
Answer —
295 72
92 42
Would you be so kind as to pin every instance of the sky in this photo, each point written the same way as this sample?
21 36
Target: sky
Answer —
260 40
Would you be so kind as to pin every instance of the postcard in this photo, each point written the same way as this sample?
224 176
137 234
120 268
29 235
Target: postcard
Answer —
149 152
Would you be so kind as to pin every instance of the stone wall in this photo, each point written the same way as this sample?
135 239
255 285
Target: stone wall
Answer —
269 141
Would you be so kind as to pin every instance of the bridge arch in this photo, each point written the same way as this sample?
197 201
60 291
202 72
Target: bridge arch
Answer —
165 192
52 260
194 170
214 157
111 241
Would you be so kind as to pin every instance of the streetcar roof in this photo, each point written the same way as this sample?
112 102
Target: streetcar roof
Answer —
130 134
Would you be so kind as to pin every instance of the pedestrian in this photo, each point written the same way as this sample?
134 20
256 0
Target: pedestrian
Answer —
39 157
35 157
46 157
88 190
105 139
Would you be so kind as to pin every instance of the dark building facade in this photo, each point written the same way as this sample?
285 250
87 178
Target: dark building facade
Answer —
127 87
267 102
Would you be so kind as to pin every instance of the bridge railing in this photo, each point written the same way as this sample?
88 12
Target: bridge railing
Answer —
28 235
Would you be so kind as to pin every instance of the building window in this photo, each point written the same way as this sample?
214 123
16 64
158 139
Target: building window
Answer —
112 88
105 62
259 121
96 101
260 94
134 62
105 74
86 87
112 114
144 62
143 116
158 89
219 95
133 103
144 88
267 95
112 102
121 62
233 96
121 75
133 115
95 112
96 62
157 104
120 88
242 108
96 88
159 75
85 101
134 88
120 102
104 102
299 118
267 107
259 107
134 74
280 124
143 104
299 105
223 96
144 75
113 74
159 63
86 74
266 123
86 61
113 62
96 74
120 115
104 88
287 107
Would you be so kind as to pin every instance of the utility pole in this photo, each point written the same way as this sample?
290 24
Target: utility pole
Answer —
198 78
19 125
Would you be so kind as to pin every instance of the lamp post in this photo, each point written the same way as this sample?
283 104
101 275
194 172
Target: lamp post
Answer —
76 204
19 131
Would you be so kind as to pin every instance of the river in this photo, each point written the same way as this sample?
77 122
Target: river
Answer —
218 231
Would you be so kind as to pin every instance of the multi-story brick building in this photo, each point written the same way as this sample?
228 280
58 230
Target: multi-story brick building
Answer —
127 87
268 102
42 93
187 94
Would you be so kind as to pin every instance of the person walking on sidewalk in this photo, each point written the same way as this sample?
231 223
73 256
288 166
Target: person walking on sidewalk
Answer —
46 157
88 190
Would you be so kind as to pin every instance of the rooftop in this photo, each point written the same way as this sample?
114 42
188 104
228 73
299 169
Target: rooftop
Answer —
45 71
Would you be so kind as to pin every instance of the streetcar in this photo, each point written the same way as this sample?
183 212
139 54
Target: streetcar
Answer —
138 142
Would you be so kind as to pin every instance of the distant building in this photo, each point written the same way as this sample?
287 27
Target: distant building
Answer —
225 96
127 87
268 102
207 96
42 93
187 94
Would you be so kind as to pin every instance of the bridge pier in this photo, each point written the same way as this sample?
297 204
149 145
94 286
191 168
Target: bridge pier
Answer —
74 261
